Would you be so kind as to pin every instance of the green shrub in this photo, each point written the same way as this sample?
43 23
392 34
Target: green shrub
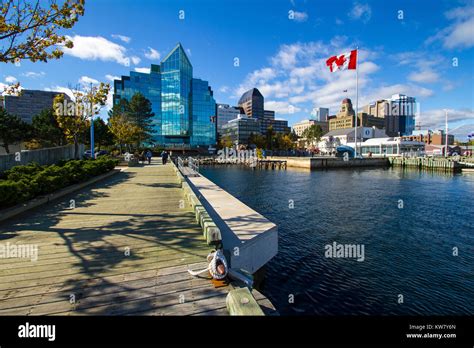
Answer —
25 182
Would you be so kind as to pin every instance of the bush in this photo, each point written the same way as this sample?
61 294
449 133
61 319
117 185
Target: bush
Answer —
25 182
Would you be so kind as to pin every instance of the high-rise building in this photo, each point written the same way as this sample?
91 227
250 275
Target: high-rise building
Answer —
225 113
320 114
29 104
184 106
252 104
346 118
398 113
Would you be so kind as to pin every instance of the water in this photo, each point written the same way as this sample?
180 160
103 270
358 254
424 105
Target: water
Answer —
408 251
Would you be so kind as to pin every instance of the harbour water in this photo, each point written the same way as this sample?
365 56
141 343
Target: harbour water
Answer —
416 229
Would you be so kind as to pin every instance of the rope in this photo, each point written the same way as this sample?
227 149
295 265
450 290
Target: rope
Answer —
215 259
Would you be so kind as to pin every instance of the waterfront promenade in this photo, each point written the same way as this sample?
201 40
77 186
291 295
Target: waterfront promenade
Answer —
124 249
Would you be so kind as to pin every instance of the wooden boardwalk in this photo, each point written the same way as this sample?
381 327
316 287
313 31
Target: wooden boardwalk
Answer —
123 250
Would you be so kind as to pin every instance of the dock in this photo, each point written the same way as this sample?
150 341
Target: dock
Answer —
123 249
433 163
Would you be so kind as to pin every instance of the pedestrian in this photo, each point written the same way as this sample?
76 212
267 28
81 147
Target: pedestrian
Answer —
148 156
164 156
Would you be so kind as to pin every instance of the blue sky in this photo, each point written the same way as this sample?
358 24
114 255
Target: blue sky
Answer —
282 52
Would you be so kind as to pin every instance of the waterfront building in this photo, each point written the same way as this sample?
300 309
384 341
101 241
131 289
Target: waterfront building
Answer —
320 114
240 129
430 137
301 126
389 147
184 106
226 113
398 111
29 103
346 135
252 103
345 118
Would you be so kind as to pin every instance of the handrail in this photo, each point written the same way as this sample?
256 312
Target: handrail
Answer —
193 164
180 164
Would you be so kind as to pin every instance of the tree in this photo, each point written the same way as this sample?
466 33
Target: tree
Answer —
270 138
29 29
12 130
141 115
46 130
102 134
225 141
73 116
123 129
313 134
257 140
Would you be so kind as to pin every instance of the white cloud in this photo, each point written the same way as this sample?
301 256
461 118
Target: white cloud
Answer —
123 38
224 89
300 16
143 70
97 48
360 11
61 89
34 75
426 76
339 22
112 77
152 54
435 119
10 79
459 34
86 80
281 107
135 60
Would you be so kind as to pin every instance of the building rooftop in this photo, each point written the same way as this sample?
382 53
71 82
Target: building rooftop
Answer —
254 92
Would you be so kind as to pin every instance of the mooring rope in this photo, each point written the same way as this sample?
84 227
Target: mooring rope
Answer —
215 259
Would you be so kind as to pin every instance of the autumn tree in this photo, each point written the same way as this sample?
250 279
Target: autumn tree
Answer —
30 29
124 130
73 116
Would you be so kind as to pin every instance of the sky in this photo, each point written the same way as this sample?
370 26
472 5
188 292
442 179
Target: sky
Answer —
422 48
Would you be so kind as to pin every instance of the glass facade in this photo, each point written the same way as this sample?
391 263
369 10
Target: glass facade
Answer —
184 107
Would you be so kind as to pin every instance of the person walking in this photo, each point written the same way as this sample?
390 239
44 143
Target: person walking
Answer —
164 157
148 156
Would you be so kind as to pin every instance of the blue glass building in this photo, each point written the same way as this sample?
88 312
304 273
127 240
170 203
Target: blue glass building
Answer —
184 106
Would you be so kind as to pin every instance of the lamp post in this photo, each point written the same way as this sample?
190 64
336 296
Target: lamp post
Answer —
92 125
446 140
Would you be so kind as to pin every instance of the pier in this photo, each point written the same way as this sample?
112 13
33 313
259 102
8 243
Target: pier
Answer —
434 163
123 249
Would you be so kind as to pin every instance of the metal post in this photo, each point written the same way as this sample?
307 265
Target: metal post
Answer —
357 102
92 125
446 151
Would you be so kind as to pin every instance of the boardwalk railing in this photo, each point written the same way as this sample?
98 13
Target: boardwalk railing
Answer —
193 164
180 164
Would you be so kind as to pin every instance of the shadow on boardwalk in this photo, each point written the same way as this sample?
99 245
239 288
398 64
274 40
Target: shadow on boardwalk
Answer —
94 238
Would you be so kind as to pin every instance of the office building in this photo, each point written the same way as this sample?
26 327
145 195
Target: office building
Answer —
184 106
345 118
252 104
430 137
29 104
301 126
398 111
320 114
240 129
225 113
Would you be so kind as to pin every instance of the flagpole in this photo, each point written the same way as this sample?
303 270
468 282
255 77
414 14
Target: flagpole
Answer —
357 101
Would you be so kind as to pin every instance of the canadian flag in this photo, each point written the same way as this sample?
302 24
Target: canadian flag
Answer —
343 61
